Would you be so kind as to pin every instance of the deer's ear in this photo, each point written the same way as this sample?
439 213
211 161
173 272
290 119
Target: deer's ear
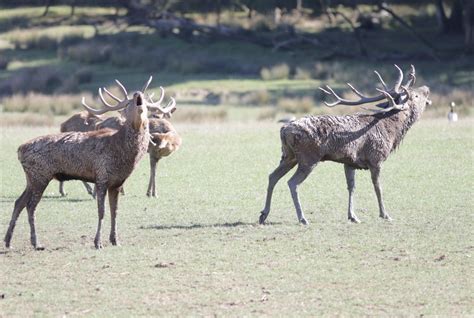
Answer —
163 143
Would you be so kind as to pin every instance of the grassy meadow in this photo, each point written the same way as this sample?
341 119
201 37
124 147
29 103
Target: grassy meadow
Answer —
198 250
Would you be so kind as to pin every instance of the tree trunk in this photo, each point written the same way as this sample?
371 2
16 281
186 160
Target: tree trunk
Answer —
73 7
299 5
218 12
46 9
468 22
453 23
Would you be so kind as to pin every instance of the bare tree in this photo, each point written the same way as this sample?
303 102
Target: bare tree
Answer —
106 157
359 141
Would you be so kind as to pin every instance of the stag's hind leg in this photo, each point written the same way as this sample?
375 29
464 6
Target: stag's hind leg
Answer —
20 204
375 174
275 176
151 184
300 175
61 188
350 179
33 201
89 189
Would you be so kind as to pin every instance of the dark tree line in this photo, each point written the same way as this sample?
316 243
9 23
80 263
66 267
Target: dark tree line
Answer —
453 16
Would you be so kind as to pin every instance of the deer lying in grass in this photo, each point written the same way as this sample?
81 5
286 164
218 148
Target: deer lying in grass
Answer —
82 121
105 157
359 141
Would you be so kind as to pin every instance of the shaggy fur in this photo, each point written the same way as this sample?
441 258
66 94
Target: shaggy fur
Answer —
82 121
358 141
166 141
105 157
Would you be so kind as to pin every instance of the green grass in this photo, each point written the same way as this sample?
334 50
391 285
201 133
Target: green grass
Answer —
197 250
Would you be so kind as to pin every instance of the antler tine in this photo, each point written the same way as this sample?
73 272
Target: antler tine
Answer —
122 87
363 99
92 110
411 77
356 91
170 108
162 95
119 106
147 84
385 87
396 88
103 99
112 95
171 105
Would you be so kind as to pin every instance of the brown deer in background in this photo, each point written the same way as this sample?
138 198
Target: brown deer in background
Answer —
105 157
165 141
359 141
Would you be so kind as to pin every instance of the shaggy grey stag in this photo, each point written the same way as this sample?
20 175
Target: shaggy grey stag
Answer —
82 121
105 157
359 141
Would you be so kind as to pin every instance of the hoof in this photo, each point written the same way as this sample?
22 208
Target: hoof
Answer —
262 218
39 248
304 221
98 245
354 219
386 217
114 241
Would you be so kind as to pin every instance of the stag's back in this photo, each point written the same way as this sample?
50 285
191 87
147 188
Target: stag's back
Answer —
82 121
353 139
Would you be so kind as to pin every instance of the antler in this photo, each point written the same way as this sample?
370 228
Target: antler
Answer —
121 103
396 97
156 106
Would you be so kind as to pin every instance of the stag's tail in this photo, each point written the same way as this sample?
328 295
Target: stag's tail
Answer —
287 143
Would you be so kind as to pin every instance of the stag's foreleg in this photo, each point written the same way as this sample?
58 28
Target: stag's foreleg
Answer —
101 192
375 174
350 179
113 202
151 184
273 179
300 175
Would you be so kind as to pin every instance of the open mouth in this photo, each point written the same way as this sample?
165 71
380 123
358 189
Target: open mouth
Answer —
139 100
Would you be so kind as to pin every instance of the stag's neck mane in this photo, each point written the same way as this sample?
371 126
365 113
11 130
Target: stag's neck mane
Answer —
396 123
134 141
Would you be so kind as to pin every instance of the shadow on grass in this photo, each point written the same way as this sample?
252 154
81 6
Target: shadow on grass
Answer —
46 198
201 226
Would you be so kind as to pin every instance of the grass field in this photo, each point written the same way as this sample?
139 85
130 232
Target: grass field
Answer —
197 249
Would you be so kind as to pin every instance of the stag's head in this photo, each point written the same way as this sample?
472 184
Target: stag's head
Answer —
402 97
134 109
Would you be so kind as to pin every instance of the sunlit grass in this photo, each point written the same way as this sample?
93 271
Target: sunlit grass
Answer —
197 249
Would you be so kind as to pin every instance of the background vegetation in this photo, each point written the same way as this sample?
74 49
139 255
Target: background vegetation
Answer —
269 56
